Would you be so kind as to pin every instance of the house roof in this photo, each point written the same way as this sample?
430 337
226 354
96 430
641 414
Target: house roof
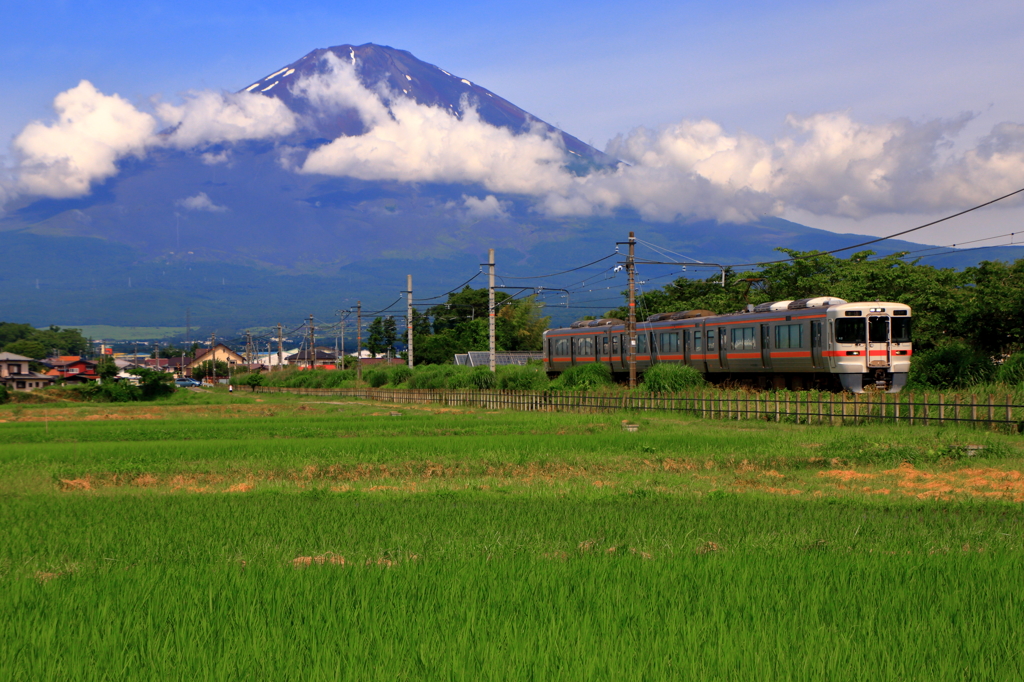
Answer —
14 357
303 356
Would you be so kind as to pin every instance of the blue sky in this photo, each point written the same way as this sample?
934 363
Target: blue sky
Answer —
595 69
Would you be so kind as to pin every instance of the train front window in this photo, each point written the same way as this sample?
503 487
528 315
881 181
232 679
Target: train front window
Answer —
878 329
850 331
901 330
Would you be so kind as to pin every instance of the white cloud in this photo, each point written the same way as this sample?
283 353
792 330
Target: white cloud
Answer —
92 131
825 165
208 117
201 202
212 159
411 142
488 207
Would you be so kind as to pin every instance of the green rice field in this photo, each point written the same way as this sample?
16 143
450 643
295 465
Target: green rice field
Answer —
279 537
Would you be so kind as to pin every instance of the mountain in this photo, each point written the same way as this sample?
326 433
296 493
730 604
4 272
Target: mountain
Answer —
232 233
401 72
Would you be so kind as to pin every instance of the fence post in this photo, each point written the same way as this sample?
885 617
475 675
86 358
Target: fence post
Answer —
896 408
942 408
1009 411
991 411
974 408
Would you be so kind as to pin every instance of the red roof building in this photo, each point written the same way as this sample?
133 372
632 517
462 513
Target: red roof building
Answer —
72 368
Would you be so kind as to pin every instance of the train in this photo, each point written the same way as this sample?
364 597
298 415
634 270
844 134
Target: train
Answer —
822 343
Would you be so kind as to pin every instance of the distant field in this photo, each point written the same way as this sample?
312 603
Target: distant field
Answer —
279 538
108 333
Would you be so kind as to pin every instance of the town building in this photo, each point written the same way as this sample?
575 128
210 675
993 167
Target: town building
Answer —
72 369
16 373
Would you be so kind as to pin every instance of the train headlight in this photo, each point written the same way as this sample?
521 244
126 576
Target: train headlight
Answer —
853 352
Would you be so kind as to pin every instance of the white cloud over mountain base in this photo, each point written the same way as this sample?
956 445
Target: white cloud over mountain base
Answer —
824 165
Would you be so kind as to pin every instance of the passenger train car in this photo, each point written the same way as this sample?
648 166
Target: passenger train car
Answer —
819 342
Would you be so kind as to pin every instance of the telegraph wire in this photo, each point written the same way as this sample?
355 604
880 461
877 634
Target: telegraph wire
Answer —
882 239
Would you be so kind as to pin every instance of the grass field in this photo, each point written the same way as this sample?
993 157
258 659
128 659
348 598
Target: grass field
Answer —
109 333
218 537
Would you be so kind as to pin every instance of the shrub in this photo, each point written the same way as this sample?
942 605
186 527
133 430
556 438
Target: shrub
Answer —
482 378
399 374
953 365
523 378
584 377
669 378
4 395
376 377
1011 372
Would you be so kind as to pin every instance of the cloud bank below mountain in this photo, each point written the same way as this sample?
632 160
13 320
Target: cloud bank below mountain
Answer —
827 164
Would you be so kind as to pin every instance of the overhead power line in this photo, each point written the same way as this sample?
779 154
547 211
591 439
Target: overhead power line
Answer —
882 239
555 274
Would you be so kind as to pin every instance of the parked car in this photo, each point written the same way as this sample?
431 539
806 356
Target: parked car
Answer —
187 382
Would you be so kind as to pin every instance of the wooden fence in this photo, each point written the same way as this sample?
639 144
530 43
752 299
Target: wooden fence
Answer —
811 407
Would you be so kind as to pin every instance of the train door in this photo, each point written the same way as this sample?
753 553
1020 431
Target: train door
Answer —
831 344
766 346
879 348
617 351
686 346
816 344
573 349
723 348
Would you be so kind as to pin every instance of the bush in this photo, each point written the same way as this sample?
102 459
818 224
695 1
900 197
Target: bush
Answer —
399 374
1011 372
376 377
482 378
523 378
669 378
584 377
4 395
954 365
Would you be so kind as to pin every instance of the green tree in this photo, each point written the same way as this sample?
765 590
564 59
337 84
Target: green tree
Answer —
253 380
29 348
153 383
382 334
106 368
210 368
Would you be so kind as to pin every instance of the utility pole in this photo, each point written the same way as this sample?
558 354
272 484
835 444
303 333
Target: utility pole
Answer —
213 357
312 344
248 347
342 356
490 305
631 326
359 342
280 348
408 317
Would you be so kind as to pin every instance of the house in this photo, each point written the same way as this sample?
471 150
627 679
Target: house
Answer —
325 359
16 374
220 353
72 369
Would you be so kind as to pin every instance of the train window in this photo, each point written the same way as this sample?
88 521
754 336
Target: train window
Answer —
711 340
604 345
743 339
615 345
878 329
789 336
641 342
901 330
668 342
697 342
851 331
